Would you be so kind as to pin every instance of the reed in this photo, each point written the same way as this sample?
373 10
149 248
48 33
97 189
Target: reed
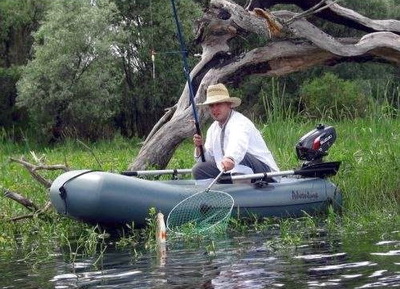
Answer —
368 149
277 104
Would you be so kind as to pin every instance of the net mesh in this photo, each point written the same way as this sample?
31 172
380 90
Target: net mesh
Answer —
201 212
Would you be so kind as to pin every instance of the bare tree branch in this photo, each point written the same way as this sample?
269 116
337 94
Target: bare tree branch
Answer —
32 169
313 10
334 13
28 204
21 200
291 44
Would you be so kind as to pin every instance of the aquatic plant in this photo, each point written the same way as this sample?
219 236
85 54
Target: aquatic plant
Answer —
366 147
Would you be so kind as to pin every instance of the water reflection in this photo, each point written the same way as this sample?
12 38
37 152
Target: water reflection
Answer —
238 262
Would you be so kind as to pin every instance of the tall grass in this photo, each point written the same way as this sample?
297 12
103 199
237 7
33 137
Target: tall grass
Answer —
369 176
277 104
368 149
385 97
366 146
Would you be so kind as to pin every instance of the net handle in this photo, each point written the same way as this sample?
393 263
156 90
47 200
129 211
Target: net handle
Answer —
214 181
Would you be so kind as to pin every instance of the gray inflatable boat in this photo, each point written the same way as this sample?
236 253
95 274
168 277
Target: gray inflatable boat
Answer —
114 199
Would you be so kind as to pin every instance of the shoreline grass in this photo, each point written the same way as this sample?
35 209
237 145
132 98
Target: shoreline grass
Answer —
368 175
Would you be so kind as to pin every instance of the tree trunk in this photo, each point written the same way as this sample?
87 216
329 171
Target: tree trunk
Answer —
293 44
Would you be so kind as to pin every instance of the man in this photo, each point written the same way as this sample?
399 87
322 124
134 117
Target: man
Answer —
233 143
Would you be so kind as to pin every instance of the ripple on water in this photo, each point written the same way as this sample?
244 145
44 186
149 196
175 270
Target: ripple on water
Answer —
245 262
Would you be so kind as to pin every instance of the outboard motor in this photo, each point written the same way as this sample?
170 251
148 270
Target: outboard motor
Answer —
313 146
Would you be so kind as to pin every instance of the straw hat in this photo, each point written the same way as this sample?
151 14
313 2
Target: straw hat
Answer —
219 93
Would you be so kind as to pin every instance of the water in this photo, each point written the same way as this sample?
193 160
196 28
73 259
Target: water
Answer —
242 261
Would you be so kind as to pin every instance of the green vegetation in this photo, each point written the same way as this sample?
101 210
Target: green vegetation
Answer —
366 147
79 69
68 84
332 96
91 73
71 71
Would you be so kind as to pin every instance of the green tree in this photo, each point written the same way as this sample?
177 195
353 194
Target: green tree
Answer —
151 87
72 83
92 69
18 19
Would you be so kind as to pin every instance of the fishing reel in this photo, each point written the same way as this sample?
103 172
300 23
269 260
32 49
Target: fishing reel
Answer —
314 145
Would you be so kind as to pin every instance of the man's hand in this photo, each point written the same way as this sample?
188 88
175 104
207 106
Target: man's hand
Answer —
227 164
197 140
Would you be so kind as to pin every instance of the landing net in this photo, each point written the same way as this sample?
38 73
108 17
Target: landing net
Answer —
201 212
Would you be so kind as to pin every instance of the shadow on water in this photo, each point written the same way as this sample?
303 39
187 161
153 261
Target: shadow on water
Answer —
256 260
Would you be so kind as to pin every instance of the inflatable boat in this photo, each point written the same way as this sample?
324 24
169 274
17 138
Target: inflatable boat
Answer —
113 199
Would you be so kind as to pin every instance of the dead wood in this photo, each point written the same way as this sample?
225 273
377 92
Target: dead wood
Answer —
33 169
292 44
28 204
21 200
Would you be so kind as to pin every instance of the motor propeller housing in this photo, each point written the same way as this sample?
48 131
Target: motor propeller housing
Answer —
314 145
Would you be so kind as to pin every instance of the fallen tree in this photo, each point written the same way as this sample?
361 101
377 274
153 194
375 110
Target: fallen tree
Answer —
294 44
38 164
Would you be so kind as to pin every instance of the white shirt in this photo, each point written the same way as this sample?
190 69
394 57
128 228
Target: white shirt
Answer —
240 137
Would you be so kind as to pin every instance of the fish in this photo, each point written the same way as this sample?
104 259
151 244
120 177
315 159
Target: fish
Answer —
161 230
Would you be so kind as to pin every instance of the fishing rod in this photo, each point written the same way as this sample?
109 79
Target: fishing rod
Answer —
187 75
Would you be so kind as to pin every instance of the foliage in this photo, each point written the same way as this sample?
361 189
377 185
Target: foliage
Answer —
118 90
362 147
368 157
73 80
266 100
10 113
279 98
375 9
17 21
333 98
92 68
385 93
149 30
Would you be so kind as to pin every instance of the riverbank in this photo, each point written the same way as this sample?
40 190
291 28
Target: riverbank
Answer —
368 178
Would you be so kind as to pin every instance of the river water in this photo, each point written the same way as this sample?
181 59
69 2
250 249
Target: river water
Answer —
248 260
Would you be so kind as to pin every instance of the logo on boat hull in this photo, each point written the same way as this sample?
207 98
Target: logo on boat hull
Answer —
298 195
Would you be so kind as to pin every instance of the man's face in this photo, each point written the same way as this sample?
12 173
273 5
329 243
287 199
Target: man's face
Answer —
220 111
